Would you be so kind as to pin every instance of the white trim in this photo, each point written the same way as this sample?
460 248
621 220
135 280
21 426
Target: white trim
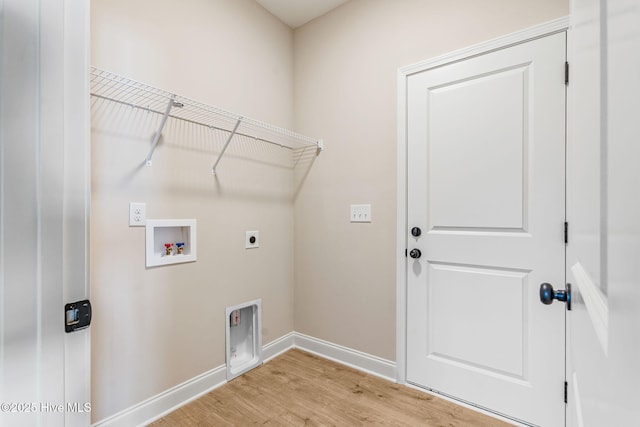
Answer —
401 233
169 400
370 364
531 33
278 346
596 303
545 29
76 199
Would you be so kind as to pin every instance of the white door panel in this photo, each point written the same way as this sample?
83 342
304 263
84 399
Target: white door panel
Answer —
603 208
468 342
486 141
478 139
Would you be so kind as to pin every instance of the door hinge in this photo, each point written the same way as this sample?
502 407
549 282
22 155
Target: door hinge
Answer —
566 73
566 233
566 392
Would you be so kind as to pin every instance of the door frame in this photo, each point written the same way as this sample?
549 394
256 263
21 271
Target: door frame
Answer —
545 29
55 202
76 217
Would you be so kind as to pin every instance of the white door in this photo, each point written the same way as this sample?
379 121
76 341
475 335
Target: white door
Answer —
44 196
486 165
603 210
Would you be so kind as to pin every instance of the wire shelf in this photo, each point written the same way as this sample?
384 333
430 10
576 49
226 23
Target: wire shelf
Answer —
113 87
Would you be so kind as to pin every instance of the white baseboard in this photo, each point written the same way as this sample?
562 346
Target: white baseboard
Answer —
169 400
160 405
353 358
278 346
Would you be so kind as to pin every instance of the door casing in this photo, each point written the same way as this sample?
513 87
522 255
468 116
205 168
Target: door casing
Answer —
45 142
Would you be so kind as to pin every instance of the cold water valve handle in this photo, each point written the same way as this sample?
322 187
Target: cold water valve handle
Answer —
548 294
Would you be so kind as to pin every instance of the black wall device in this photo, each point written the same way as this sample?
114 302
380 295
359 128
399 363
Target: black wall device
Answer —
77 315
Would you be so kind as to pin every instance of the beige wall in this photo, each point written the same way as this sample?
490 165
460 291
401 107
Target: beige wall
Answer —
345 90
156 328
334 78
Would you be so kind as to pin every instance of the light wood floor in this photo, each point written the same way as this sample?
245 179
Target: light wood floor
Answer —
300 389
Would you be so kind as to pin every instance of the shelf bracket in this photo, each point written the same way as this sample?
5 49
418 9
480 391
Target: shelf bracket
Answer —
233 132
157 135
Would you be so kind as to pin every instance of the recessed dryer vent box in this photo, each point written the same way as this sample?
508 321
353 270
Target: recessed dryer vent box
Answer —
170 241
244 338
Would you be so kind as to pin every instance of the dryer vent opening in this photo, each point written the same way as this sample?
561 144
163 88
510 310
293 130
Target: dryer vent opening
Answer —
244 337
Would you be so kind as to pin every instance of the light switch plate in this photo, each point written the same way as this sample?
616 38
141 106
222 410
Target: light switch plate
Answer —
137 214
360 213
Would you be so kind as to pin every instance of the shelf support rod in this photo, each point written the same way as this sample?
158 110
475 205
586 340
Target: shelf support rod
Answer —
157 135
233 132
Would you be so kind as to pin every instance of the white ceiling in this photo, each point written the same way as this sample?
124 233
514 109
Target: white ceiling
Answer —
295 13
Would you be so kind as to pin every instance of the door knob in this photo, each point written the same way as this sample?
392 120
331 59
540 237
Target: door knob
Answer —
548 294
416 232
415 253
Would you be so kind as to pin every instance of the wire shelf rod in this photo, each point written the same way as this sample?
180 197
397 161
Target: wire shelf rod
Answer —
113 87
195 122
233 132
157 135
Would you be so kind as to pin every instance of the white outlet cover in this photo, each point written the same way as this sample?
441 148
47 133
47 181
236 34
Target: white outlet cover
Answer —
248 243
137 214
360 213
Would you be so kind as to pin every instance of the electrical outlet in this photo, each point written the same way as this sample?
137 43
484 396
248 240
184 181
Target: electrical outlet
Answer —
137 214
360 213
252 240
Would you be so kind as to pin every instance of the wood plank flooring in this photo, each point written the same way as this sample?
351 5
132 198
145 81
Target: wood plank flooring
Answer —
300 389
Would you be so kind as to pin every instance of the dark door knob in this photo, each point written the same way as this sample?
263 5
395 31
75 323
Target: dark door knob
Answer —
548 294
415 231
415 253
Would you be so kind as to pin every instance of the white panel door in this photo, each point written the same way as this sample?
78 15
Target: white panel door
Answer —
486 165
603 209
